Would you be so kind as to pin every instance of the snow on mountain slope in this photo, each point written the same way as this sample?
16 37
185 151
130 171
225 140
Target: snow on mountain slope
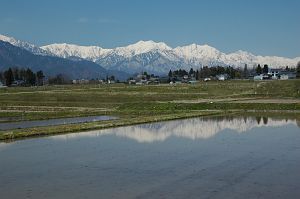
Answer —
159 57
95 52
276 61
70 50
152 62
198 51
155 57
25 45
141 47
200 55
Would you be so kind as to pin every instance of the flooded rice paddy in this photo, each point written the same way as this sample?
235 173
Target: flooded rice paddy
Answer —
193 158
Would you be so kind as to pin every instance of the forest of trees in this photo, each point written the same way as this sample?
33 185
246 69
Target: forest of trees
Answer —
15 76
22 77
232 73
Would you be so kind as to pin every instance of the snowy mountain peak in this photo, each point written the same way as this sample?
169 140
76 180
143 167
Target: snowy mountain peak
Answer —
25 45
7 39
198 51
149 45
242 53
142 47
71 50
154 57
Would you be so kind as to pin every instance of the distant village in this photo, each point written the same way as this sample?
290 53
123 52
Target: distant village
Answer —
26 77
205 74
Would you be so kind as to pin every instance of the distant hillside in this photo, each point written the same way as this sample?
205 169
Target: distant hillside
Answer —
12 56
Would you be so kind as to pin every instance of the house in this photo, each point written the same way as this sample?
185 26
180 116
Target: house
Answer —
2 85
141 82
288 75
110 81
193 81
262 77
281 74
284 77
142 79
274 73
222 77
185 79
164 79
153 80
80 81
132 81
18 83
258 77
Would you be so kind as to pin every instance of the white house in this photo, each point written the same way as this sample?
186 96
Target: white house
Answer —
281 74
2 85
275 73
110 81
80 81
284 77
288 75
222 77
258 77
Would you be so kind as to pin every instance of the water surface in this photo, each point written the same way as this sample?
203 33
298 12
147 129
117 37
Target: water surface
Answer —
193 158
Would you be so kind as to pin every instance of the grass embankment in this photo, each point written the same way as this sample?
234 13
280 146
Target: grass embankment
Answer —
141 104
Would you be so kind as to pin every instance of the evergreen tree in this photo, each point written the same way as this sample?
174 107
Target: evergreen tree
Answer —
205 72
170 74
232 73
112 78
22 75
16 73
40 77
245 72
266 69
258 69
287 68
60 79
227 71
237 74
9 77
180 73
197 75
191 72
1 77
30 77
298 69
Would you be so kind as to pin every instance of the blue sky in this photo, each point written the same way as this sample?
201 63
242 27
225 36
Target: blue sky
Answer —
265 27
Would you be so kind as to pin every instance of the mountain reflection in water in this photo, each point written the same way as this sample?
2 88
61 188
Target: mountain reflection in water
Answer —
196 128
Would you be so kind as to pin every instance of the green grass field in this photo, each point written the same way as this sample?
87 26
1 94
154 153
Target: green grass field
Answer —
145 103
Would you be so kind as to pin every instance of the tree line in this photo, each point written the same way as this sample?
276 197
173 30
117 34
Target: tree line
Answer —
206 71
232 73
22 77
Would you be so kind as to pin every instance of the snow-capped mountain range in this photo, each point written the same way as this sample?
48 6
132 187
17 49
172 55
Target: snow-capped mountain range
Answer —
193 129
25 45
153 57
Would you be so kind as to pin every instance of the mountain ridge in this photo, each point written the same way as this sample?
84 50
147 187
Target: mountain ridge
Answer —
154 57
13 56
